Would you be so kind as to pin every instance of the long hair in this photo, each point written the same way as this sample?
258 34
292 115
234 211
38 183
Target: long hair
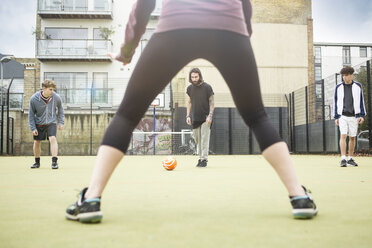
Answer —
196 70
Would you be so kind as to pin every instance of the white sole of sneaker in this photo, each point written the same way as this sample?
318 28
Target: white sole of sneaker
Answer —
304 213
86 217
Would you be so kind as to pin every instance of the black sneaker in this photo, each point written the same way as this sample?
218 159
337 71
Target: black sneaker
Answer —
303 206
352 162
35 166
199 162
203 163
343 163
85 210
54 165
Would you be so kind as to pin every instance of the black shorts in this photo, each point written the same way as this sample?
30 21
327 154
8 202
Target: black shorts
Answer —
44 131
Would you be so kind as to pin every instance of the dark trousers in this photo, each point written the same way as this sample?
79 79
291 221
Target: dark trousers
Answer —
166 54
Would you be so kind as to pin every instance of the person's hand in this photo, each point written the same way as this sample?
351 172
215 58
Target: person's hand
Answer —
60 127
35 133
360 120
337 122
118 58
122 56
209 120
188 120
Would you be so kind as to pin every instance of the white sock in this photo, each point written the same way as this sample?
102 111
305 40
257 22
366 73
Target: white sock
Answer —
349 158
343 157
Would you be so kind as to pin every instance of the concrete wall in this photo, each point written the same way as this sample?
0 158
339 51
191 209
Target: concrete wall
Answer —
73 140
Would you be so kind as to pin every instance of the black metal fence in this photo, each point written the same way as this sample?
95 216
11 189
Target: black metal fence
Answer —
312 125
8 101
304 119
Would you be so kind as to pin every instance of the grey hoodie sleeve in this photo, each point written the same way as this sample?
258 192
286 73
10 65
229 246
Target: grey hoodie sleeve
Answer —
31 116
61 114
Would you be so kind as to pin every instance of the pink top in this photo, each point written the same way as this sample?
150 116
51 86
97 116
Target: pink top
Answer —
230 15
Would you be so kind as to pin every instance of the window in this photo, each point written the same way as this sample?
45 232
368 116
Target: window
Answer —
100 83
97 34
346 57
363 52
71 86
318 73
66 33
101 5
100 44
75 5
317 55
318 90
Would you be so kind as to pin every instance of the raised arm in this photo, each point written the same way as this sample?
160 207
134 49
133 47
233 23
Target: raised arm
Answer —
136 26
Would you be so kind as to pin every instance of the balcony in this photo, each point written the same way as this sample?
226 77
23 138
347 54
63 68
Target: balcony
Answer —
79 9
84 97
73 50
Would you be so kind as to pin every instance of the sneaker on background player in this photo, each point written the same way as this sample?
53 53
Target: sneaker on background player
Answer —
343 163
35 165
203 163
352 162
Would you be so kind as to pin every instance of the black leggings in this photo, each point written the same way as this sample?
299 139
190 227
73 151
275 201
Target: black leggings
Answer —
166 54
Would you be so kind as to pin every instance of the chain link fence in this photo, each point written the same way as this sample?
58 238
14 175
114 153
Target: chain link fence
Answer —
303 118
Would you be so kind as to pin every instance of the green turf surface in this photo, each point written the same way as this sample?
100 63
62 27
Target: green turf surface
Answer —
237 201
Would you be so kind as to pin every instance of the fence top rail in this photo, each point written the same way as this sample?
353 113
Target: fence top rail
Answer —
186 132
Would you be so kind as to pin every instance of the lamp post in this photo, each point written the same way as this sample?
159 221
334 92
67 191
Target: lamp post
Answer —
4 60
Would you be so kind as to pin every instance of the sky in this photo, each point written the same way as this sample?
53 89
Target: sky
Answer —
334 21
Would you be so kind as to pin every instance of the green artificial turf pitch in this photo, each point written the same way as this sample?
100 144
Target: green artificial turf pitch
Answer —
237 201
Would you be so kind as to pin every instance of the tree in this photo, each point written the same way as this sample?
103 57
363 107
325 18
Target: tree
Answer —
106 32
361 77
38 32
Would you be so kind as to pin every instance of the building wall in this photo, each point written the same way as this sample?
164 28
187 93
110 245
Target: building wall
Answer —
31 78
283 11
332 59
282 43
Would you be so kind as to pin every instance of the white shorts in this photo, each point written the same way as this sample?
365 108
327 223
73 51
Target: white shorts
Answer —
348 125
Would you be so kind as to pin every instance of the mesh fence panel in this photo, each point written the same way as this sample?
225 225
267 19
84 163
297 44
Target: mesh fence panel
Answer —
91 102
162 143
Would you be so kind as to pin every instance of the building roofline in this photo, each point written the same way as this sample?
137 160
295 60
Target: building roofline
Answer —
342 44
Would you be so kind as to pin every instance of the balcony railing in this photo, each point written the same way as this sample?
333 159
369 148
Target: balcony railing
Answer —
101 9
84 50
86 96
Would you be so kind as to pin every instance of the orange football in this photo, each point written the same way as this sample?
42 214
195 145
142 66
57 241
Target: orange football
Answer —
169 163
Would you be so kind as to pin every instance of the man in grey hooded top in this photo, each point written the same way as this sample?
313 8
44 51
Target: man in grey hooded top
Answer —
45 108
